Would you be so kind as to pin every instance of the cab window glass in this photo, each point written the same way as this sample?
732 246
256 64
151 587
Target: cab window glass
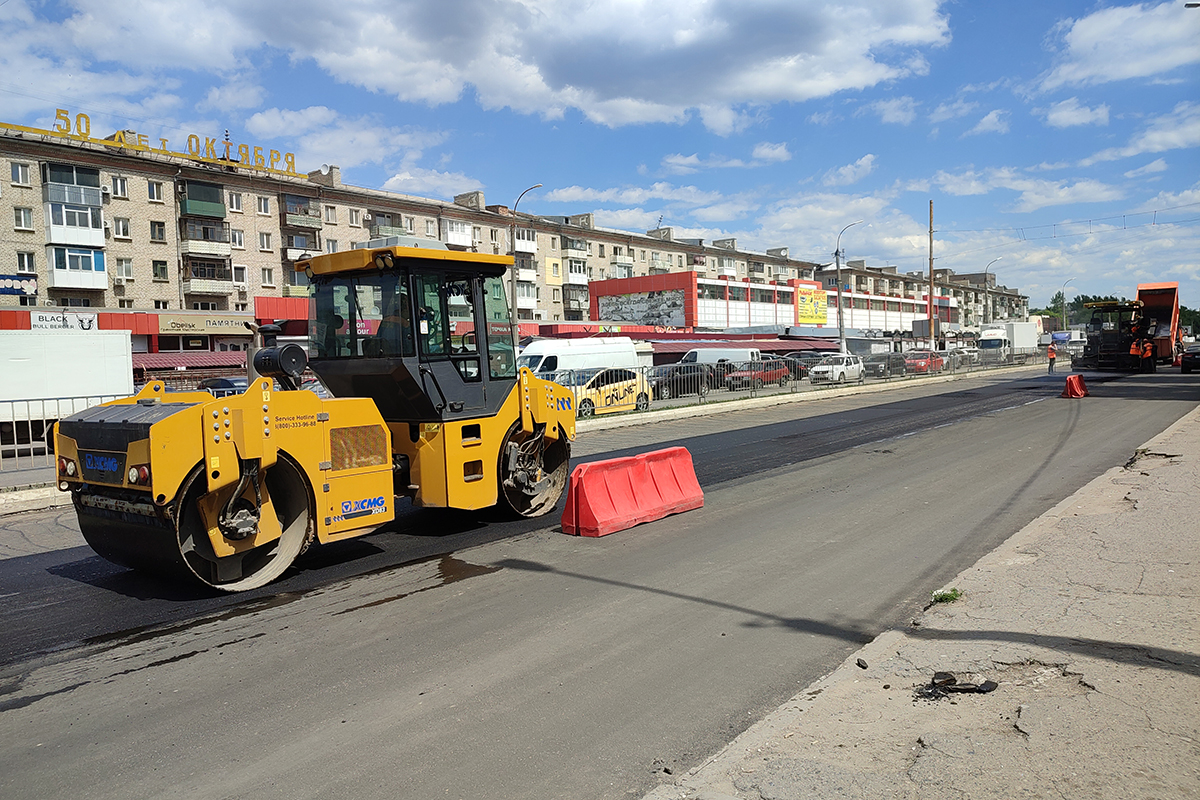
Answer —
445 315
502 362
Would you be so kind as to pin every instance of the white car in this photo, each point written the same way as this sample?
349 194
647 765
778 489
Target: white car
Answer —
838 369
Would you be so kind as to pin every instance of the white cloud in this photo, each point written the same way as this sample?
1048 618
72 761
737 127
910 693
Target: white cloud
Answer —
627 219
851 173
1177 130
635 195
430 183
275 122
767 152
239 93
1069 113
994 122
1033 193
823 118
898 110
1123 42
948 111
1158 165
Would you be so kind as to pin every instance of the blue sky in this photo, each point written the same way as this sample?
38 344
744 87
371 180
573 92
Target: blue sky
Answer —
1062 138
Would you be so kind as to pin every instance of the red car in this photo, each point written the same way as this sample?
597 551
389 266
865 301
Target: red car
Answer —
923 361
757 374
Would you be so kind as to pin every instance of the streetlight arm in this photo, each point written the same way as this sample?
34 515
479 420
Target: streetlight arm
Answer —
512 246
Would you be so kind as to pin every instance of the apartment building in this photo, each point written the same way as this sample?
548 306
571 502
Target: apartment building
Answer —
118 224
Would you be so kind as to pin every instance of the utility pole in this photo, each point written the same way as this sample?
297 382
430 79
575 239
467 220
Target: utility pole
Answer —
932 344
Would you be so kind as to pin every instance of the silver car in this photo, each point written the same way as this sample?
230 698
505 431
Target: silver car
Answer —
838 369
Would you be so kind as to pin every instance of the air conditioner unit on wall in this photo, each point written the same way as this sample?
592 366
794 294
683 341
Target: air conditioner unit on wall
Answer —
118 281
105 190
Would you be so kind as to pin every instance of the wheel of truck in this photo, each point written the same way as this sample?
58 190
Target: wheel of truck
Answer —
533 471
643 402
587 408
287 490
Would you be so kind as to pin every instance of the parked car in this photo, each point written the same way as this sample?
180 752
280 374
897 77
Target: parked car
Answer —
677 380
606 391
1190 359
223 387
970 356
798 368
923 361
838 369
757 374
885 365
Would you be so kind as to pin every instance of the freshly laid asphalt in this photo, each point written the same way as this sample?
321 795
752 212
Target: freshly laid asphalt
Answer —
1084 622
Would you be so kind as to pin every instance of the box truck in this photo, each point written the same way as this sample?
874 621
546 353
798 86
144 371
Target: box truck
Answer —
1008 342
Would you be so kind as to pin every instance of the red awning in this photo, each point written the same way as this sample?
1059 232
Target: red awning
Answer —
189 360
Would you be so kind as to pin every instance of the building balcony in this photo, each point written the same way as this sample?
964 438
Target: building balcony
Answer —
77 279
308 221
577 278
297 253
201 208
527 302
659 268
204 247
69 193
575 305
71 236
384 231
527 275
575 251
727 272
621 261
525 246
297 291
208 286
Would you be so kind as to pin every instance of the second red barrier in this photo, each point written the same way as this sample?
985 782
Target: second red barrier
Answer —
1075 387
604 497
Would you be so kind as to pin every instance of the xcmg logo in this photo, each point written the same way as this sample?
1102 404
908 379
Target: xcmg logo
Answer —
361 508
99 463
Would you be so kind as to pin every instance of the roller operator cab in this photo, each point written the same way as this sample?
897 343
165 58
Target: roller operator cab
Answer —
415 344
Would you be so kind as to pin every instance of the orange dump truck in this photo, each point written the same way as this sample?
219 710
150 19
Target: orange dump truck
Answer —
1160 311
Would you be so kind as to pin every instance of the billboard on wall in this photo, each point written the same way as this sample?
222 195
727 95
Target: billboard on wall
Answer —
661 308
62 320
811 305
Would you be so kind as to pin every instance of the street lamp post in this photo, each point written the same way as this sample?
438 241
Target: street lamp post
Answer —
986 305
512 244
837 258
1063 292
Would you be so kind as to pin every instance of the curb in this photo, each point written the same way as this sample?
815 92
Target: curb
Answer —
32 498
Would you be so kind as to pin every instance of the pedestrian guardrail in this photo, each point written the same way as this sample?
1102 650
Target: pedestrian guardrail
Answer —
27 428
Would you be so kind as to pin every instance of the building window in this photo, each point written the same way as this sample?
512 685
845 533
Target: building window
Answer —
23 219
204 305
264 205
160 271
20 174
235 202
410 224
331 245
237 239
28 300
239 273
79 260
557 295
476 234
74 302
124 304
159 305
331 215
75 216
268 276
264 241
158 231
355 217
240 306
555 266
553 242
124 268
154 191
25 262
120 187
643 256
601 253
121 227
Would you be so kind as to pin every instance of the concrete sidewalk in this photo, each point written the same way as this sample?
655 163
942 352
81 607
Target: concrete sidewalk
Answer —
1087 619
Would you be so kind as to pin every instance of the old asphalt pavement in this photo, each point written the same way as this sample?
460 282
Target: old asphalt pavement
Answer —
1083 626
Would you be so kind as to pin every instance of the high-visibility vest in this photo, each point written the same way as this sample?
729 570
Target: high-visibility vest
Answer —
1135 349
1148 349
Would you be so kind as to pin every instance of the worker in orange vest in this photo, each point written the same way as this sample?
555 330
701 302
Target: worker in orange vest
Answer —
1148 362
1051 354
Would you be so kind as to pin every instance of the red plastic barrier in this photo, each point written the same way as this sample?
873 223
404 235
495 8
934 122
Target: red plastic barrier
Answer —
1075 387
604 497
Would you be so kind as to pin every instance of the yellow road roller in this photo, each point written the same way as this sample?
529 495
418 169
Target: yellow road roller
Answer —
415 345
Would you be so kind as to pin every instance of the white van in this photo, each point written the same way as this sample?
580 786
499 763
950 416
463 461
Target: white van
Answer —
558 355
716 355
